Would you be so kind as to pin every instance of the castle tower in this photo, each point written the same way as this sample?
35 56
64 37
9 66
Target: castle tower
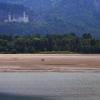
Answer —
25 17
9 18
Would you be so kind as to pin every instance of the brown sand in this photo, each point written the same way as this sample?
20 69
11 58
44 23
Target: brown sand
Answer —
48 62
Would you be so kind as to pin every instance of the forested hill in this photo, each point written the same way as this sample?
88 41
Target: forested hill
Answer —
13 8
55 16
67 43
15 11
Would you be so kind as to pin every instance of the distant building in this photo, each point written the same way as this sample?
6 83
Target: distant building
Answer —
20 19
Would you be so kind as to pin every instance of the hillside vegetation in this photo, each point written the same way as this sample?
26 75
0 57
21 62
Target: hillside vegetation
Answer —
53 16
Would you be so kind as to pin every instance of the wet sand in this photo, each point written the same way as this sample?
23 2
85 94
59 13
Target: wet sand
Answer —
49 62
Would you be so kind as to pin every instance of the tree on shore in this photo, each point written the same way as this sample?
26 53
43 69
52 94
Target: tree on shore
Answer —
45 43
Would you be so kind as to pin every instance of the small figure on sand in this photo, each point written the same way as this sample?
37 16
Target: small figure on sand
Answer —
42 59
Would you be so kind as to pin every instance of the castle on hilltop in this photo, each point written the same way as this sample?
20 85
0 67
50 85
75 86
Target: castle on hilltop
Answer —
21 19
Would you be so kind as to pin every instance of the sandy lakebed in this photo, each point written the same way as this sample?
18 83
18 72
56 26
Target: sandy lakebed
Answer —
49 62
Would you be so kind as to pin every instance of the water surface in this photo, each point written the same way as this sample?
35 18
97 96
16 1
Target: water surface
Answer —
50 86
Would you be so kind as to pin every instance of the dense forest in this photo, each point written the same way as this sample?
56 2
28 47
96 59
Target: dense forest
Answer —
48 43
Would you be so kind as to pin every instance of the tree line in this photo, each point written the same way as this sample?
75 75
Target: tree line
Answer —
47 43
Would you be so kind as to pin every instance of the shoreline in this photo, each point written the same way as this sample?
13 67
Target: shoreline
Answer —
49 62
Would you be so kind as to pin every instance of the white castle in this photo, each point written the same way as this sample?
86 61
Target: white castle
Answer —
21 19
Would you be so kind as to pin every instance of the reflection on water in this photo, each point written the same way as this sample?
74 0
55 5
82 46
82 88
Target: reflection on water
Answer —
15 97
74 97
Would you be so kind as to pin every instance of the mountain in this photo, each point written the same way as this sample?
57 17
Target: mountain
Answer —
77 16
60 16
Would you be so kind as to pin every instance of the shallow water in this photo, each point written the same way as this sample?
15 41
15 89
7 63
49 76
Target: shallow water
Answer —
50 86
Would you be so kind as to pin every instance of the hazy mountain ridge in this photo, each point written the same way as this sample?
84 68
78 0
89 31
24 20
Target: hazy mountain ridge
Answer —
77 16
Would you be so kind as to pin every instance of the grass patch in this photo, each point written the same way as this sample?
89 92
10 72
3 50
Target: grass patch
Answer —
56 52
